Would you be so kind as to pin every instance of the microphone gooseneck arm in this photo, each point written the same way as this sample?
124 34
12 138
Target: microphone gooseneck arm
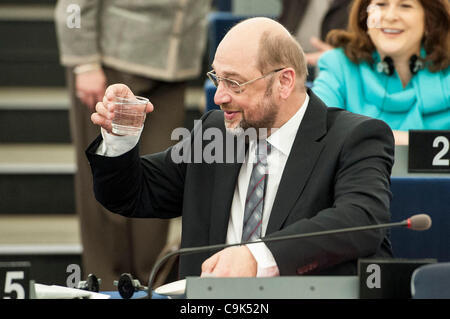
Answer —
191 250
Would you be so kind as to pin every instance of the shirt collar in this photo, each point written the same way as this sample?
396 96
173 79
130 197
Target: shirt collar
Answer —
283 138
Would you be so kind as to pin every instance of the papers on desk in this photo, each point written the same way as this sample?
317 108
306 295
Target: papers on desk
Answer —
60 292
175 288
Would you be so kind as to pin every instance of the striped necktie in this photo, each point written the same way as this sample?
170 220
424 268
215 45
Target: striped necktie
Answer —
254 203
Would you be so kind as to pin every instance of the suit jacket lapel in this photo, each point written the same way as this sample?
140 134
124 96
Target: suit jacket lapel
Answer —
304 153
225 180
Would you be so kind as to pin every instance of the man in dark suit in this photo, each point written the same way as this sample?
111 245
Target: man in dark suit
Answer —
324 168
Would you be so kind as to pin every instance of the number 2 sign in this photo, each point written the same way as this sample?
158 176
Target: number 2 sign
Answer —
429 151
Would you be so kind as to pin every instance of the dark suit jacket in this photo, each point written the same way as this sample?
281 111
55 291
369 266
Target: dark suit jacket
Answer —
337 175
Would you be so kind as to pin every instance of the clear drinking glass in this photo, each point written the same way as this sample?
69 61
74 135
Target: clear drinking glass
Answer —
129 115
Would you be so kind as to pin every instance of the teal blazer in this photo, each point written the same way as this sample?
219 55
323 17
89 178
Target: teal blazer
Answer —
423 104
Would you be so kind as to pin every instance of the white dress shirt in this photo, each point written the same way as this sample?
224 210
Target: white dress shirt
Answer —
281 142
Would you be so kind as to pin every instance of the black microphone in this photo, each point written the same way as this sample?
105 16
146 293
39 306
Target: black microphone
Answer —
416 222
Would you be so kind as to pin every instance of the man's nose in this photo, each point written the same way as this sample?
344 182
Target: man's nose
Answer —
222 95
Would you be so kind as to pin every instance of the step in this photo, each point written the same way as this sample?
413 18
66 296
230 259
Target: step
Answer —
39 234
49 242
29 53
40 114
27 3
34 115
37 179
17 159
47 98
34 98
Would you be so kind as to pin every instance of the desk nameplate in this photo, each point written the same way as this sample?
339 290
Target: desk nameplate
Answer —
283 287
429 151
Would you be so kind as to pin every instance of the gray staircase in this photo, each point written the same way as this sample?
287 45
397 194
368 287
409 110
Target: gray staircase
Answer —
37 160
37 216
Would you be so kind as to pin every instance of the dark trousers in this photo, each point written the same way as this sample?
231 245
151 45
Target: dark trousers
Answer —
113 244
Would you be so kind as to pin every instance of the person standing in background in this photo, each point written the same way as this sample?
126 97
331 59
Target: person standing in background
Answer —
154 48
310 21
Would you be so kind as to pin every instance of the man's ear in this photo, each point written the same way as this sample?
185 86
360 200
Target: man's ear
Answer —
287 80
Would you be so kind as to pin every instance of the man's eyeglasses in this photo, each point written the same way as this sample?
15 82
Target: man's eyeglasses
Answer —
233 85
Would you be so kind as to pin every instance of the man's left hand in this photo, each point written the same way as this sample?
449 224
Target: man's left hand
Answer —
231 262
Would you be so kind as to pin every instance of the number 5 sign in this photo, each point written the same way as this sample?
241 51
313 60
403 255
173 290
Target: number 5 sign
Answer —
14 280
429 151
